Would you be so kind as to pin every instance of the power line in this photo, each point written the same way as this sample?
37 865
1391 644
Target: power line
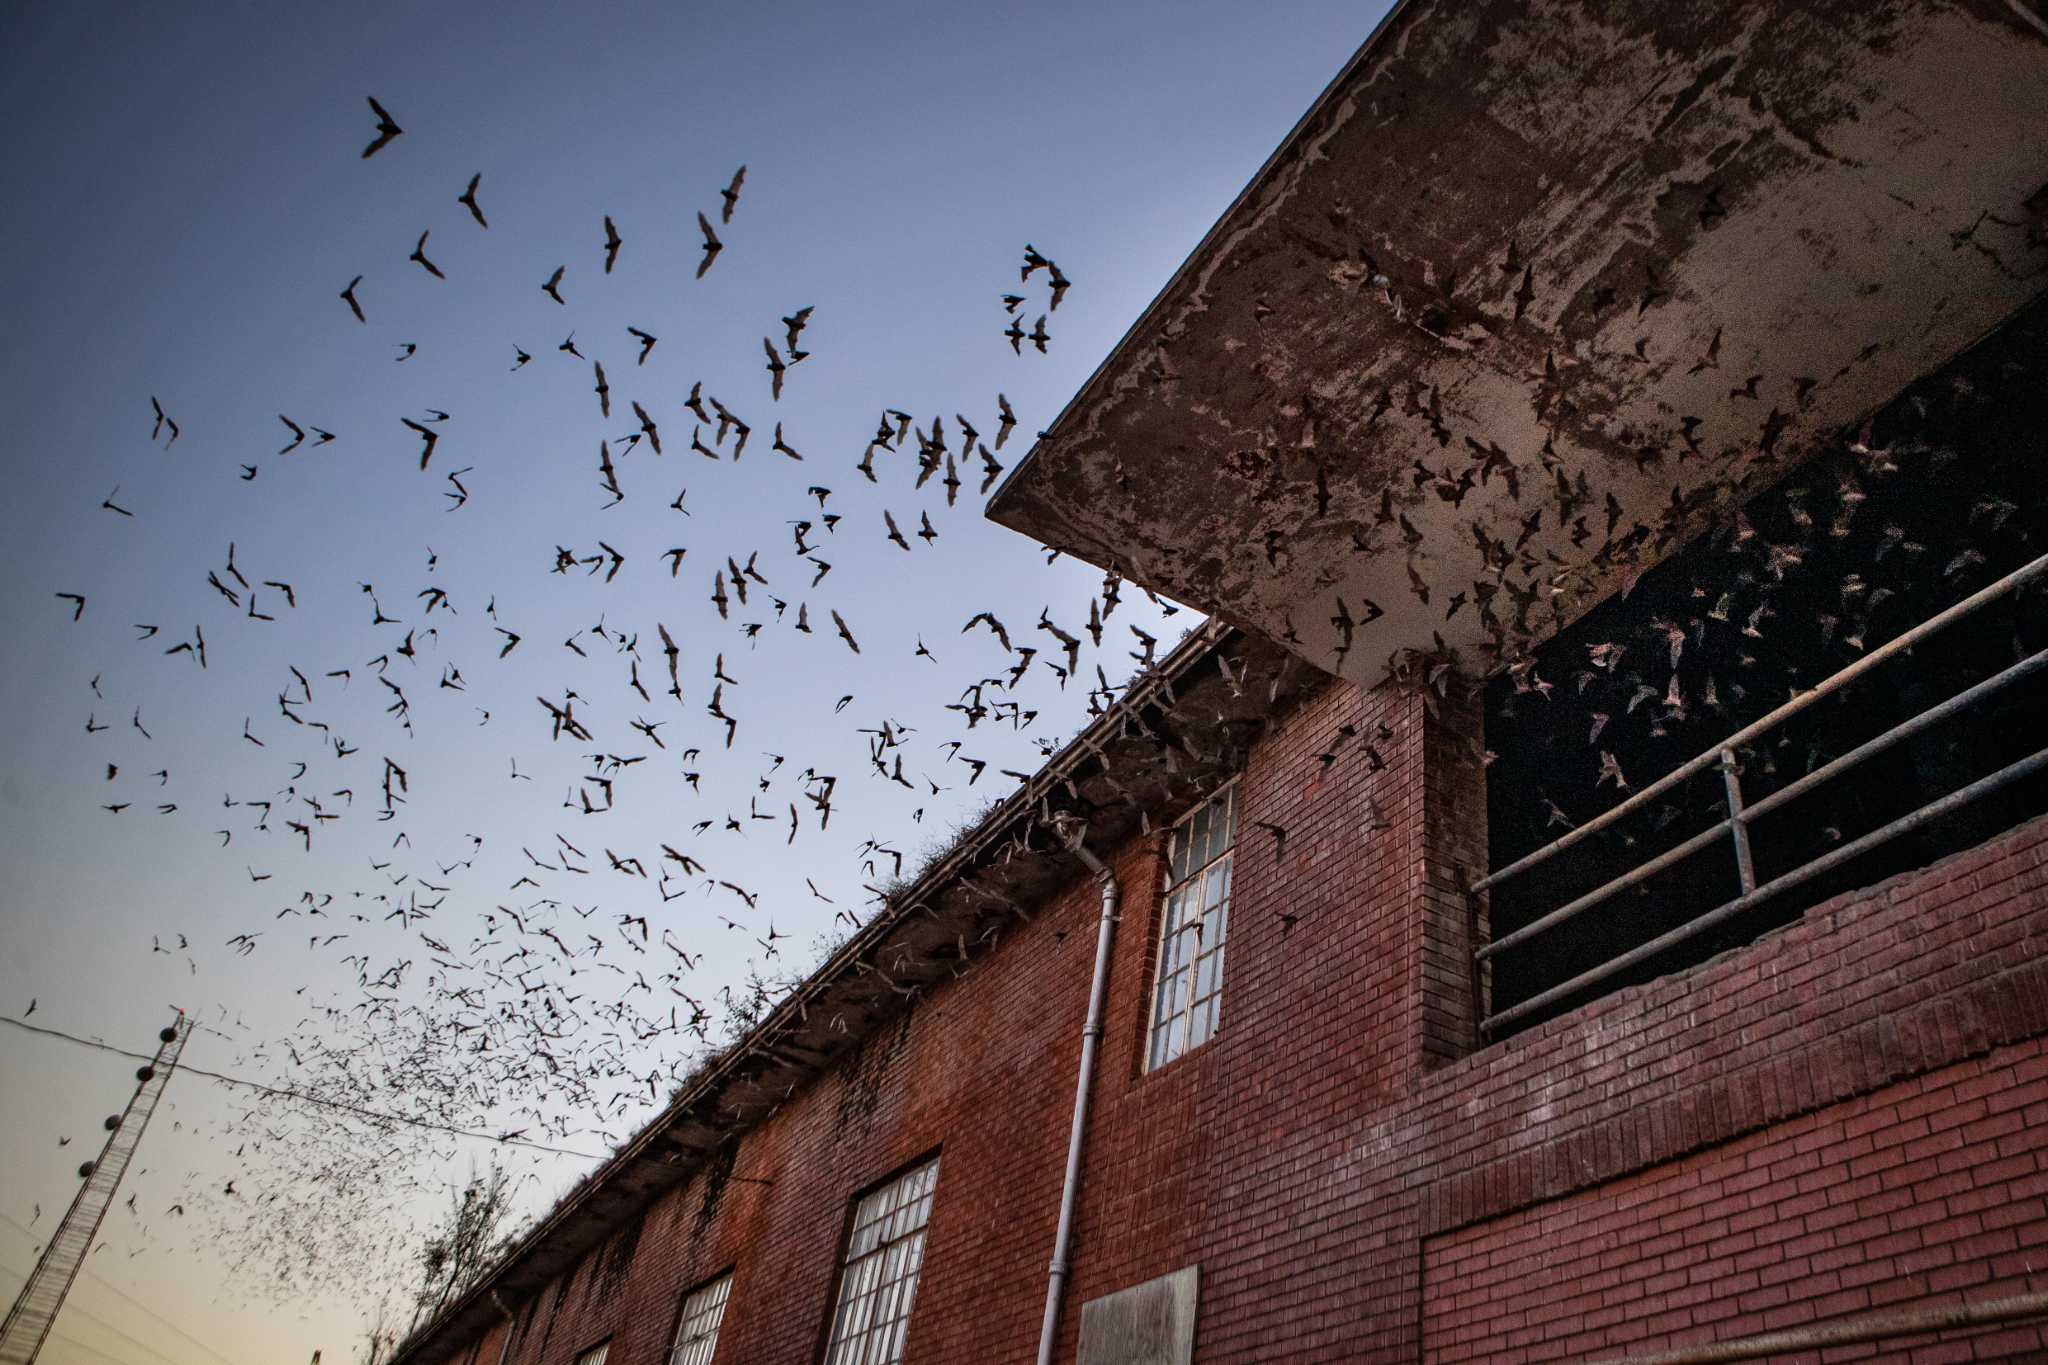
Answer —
303 1098
157 1316
76 1311
109 1327
76 1344
72 1240
123 1295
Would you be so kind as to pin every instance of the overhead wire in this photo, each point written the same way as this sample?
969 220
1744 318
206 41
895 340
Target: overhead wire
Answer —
75 1344
121 1294
75 1310
303 1098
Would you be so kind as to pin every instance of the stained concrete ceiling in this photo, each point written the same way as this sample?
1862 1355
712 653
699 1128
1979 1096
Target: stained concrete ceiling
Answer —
1533 282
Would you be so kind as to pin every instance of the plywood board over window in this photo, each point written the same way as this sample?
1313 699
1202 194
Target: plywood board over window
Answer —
1148 1324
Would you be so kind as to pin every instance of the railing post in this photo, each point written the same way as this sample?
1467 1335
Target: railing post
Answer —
1745 869
1478 972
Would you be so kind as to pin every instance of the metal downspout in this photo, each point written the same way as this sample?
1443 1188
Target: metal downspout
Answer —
511 1325
1091 1033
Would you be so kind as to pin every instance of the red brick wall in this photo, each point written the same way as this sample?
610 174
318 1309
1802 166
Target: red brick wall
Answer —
1907 1196
1876 985
489 1345
1317 1026
1304 1156
1454 856
1235 1156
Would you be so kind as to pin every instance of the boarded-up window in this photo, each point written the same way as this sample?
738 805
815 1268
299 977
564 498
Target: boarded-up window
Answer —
1148 1324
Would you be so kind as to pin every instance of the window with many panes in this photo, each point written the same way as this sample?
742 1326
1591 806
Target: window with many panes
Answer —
596 1354
879 1278
697 1333
1190 978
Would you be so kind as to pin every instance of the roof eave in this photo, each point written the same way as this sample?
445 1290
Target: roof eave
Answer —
578 1223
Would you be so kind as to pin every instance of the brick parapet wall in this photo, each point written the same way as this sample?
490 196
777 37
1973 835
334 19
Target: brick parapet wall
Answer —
1911 1195
1916 972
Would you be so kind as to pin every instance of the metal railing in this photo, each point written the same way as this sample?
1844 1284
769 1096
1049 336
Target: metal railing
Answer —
1735 825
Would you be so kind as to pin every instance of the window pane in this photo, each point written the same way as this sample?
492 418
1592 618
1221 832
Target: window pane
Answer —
880 1273
857 1313
703 1311
1169 995
1194 921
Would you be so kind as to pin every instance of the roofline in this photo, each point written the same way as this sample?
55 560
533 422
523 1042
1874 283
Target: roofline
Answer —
1155 309
1198 644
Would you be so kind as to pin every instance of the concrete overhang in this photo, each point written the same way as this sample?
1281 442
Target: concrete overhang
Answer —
1533 287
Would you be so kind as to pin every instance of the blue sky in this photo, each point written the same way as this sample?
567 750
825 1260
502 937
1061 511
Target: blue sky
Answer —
188 200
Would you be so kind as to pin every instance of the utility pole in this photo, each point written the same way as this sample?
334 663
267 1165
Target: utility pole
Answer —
28 1322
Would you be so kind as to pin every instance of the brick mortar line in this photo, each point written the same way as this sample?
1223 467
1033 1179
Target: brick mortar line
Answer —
1998 1011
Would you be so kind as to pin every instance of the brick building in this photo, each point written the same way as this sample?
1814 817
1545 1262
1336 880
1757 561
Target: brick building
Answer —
1666 373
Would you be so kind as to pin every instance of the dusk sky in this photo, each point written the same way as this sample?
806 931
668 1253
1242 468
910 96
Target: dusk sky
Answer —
187 200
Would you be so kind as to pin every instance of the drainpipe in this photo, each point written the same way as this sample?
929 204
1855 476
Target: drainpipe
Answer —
511 1323
1091 1033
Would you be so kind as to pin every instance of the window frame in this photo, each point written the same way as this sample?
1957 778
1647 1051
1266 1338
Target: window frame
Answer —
721 1282
1171 1036
601 1350
858 1347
